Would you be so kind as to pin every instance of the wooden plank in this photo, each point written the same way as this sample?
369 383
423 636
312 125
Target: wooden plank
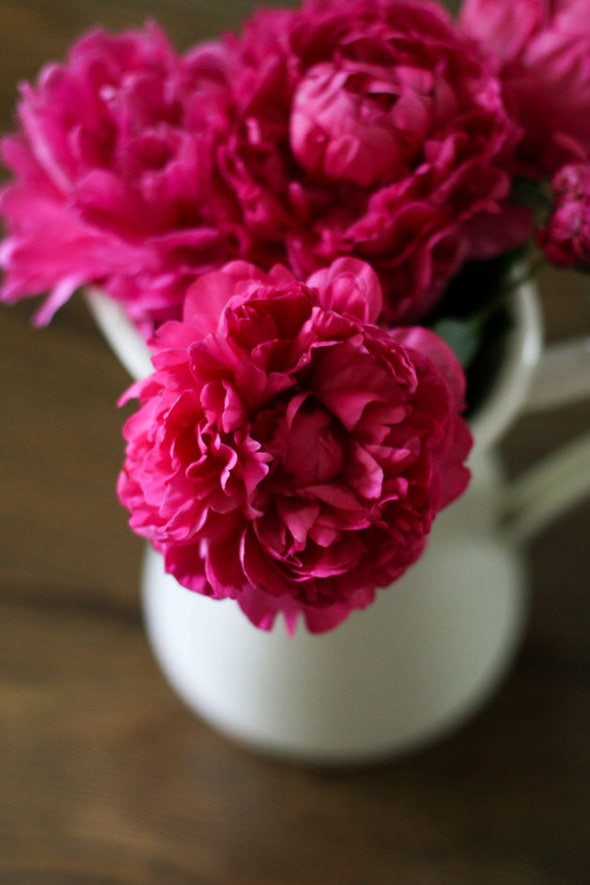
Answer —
105 774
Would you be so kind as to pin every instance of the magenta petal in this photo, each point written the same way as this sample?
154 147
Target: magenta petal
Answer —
348 405
222 566
54 250
206 300
364 474
299 517
261 572
350 287
103 199
432 345
337 559
56 299
321 620
335 495
186 564
312 452
262 610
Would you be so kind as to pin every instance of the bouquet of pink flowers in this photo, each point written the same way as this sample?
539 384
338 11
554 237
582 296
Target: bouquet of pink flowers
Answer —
310 223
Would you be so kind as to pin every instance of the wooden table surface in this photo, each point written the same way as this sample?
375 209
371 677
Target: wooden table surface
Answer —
106 777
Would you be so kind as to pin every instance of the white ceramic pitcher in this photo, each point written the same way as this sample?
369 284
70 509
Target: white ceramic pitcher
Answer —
432 647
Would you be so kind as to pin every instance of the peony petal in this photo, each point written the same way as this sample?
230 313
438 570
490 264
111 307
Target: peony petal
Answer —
222 567
350 287
432 345
364 474
186 564
299 517
206 301
260 571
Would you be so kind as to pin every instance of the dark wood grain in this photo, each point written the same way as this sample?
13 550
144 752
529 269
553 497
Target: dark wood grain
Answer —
106 778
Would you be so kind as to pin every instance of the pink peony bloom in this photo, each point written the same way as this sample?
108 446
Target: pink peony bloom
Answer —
109 175
289 453
565 239
364 128
541 49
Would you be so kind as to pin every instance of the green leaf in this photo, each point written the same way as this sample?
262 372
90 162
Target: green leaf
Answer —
462 335
537 195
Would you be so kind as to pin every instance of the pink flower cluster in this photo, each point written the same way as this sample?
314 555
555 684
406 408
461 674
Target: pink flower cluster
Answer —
566 238
541 52
352 128
288 452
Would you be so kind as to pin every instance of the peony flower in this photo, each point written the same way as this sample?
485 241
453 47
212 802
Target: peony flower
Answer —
109 167
565 239
541 49
289 453
365 128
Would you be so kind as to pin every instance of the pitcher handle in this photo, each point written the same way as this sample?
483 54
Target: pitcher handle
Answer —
560 480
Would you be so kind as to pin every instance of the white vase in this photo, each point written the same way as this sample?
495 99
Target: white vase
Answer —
431 649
